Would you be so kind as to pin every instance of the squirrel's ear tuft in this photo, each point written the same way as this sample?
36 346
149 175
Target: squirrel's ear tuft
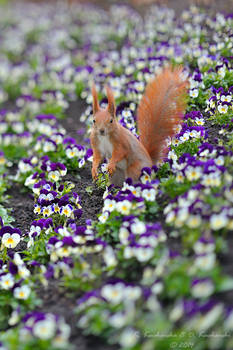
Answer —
95 103
111 102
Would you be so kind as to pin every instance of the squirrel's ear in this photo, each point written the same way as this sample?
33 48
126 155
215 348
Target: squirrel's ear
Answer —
111 102
95 103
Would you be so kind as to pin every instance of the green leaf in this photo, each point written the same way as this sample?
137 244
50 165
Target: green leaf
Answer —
7 219
154 208
226 284
89 189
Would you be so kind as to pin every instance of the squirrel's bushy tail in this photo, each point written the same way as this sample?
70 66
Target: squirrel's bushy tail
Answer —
160 110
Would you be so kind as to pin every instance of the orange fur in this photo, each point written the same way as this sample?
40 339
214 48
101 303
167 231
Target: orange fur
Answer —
111 102
160 111
95 104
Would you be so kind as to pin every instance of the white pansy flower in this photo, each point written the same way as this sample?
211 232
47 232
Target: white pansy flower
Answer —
143 253
47 211
172 155
48 146
136 191
222 109
202 289
205 262
123 235
145 178
103 217
194 134
193 221
124 207
67 210
7 281
152 303
157 288
17 259
10 240
13 320
218 221
170 217
117 320
44 329
184 137
199 121
72 152
24 167
193 173
222 71
109 205
149 194
194 93
114 293
132 292
180 177
30 180
22 292
177 312
209 319
219 160
109 256
226 98
128 252
54 175
60 340
138 227
128 338
23 271
201 248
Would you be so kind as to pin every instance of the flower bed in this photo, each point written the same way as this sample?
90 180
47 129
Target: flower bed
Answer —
153 268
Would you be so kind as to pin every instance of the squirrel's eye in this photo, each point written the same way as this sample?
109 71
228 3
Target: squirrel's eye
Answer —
93 121
111 120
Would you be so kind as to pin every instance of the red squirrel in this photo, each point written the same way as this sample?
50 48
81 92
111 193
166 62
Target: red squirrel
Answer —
159 113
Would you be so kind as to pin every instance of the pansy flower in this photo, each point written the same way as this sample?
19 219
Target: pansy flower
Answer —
22 292
7 281
10 236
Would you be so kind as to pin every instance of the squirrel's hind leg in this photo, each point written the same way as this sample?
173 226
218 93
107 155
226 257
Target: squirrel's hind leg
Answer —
134 170
118 177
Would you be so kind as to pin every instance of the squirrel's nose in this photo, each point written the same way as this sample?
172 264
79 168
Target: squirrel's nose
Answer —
102 131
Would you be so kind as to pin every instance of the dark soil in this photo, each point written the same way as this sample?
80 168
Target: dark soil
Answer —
74 127
22 208
91 203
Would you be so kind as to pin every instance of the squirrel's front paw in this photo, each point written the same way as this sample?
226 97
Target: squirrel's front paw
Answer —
94 173
111 169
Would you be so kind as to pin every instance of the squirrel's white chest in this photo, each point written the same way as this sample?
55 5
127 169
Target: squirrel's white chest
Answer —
105 146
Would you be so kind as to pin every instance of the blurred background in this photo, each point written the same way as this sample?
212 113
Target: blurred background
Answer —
177 5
